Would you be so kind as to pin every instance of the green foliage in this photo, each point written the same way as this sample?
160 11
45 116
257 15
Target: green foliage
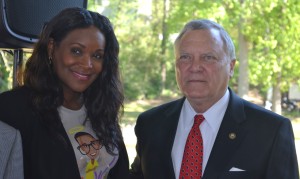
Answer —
6 69
271 28
275 47
140 48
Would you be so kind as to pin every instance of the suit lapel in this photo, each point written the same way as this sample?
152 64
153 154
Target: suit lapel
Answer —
172 117
228 138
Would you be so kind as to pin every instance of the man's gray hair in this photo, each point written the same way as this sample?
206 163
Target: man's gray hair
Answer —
208 24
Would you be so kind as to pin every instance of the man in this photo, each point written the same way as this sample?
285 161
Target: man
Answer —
238 139
11 156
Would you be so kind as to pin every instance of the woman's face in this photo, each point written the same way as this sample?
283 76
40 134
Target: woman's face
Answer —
78 60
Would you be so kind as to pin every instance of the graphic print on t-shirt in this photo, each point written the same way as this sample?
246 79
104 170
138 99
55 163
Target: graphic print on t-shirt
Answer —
93 161
89 146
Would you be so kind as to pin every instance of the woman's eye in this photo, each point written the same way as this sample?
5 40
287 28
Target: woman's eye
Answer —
98 56
76 51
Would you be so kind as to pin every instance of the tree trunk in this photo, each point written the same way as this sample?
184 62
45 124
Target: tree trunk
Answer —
163 48
276 97
243 79
276 100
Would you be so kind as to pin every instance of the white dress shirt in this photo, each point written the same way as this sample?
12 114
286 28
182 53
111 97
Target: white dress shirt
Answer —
209 129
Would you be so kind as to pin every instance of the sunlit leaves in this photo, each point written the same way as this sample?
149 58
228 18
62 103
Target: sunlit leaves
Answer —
271 28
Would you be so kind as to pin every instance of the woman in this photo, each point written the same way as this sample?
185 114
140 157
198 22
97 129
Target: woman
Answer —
71 86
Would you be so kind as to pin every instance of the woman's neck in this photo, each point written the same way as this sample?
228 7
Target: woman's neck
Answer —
73 101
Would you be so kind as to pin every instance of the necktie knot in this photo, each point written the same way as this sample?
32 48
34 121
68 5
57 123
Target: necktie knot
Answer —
198 119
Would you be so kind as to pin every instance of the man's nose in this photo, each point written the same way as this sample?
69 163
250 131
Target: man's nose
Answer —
197 63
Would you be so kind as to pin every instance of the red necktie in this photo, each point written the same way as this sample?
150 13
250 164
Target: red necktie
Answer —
191 165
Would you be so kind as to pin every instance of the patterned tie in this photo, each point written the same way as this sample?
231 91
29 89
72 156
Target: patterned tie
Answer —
191 166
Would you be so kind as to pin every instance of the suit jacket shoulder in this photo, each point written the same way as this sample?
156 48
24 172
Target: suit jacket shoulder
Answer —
11 158
255 140
155 130
161 110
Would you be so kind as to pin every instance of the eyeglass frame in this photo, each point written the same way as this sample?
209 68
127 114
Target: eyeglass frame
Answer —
92 143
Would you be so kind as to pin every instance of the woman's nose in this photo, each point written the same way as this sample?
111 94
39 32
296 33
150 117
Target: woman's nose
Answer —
86 62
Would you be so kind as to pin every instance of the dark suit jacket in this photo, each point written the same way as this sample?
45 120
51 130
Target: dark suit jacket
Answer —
46 157
264 145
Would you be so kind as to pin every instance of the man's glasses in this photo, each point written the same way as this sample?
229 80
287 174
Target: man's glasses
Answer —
85 148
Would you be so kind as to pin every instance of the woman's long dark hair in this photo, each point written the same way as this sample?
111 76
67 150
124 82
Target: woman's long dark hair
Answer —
103 99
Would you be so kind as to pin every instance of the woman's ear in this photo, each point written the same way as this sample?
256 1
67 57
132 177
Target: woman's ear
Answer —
50 48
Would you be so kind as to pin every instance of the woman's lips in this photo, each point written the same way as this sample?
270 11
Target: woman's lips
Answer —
81 76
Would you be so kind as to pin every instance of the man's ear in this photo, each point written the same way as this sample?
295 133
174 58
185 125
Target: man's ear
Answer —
50 48
232 65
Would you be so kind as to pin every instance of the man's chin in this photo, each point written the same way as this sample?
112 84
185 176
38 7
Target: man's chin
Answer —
196 94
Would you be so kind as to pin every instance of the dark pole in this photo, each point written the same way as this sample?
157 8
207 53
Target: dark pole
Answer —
18 60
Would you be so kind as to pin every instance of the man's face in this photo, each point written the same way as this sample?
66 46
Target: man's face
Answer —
203 69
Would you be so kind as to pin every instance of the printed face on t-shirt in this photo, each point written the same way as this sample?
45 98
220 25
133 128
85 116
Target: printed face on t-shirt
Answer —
89 146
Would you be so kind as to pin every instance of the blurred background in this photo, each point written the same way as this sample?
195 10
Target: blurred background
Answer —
266 34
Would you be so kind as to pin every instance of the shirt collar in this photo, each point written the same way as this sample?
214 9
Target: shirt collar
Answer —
213 116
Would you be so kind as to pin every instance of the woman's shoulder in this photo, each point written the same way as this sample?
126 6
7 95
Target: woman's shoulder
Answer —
15 97
21 91
14 106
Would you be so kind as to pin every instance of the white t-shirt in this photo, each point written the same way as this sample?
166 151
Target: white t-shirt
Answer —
92 158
